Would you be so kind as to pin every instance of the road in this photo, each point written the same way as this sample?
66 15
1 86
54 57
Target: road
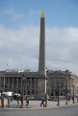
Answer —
64 111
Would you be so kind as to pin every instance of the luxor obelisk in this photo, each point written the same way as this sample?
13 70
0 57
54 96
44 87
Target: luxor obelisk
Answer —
42 57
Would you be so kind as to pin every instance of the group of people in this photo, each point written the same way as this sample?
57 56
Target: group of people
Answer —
20 98
27 101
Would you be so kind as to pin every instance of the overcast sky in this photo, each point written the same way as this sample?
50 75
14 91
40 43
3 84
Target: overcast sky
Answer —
20 32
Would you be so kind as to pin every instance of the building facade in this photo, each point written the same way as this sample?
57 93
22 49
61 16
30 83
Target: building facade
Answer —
64 78
12 81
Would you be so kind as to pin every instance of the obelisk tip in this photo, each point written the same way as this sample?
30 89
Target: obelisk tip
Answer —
42 15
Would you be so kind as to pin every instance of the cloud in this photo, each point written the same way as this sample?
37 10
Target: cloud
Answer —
9 11
32 12
62 48
14 15
21 46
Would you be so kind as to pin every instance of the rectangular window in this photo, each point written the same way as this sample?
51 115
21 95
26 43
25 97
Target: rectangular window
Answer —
61 86
62 80
57 80
52 86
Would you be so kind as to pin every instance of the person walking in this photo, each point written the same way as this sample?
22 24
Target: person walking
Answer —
11 98
42 102
18 99
27 101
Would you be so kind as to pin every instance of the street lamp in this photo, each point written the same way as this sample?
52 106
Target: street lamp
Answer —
73 95
58 85
66 88
22 104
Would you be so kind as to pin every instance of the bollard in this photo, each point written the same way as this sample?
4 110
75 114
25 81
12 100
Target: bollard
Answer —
8 102
2 102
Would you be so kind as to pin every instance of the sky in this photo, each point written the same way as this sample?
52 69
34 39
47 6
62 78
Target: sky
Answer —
20 34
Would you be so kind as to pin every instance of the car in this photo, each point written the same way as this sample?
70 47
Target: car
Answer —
15 95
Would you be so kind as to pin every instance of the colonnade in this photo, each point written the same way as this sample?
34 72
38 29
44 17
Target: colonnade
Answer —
15 84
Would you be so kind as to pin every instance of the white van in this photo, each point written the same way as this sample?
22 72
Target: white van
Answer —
7 94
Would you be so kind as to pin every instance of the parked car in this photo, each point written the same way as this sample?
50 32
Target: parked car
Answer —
15 95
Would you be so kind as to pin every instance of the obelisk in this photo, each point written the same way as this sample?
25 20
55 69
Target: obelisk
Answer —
42 49
42 57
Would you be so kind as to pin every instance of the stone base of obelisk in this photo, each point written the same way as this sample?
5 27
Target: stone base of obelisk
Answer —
42 85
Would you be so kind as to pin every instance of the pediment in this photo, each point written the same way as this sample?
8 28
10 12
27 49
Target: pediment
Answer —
59 73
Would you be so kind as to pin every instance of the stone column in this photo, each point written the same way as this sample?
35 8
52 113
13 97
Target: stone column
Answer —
17 85
31 83
21 91
30 92
8 81
34 83
12 83
27 87
37 84
17 82
26 84
0 81
4 82
21 84
53 92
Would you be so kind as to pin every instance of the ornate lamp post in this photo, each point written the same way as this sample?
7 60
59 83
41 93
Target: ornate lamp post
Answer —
23 79
66 89
58 85
73 95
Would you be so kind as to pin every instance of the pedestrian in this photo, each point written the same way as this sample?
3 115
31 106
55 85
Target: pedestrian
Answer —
21 99
27 101
73 98
17 99
11 98
42 102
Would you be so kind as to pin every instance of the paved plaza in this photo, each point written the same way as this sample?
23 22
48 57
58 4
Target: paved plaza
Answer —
34 109
34 104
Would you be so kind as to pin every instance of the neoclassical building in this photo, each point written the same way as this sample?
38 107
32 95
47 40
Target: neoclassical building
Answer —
12 81
64 78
